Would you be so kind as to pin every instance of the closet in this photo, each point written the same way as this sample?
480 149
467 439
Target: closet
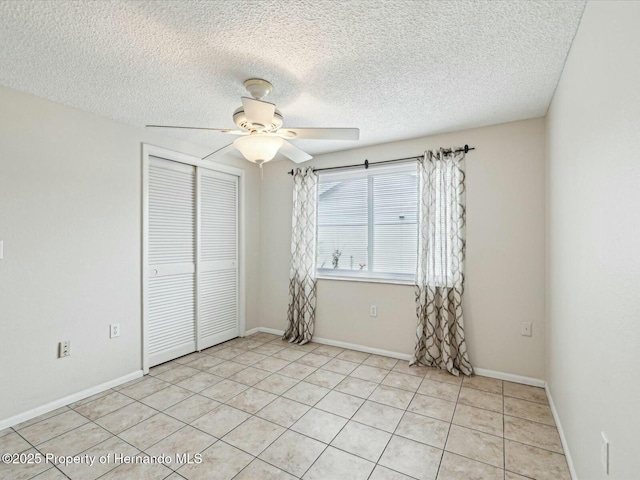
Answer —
192 260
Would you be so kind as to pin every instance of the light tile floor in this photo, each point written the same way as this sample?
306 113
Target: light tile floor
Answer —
258 408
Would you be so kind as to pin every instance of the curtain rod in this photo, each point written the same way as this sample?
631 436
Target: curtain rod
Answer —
368 164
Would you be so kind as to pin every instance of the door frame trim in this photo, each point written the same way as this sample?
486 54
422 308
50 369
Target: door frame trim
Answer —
149 150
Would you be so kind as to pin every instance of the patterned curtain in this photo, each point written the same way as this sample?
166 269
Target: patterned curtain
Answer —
441 250
302 276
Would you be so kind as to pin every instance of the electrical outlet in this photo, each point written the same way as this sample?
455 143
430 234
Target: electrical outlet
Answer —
64 349
604 453
115 330
373 311
526 329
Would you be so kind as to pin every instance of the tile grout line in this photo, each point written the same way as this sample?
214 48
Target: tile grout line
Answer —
504 442
270 374
391 436
414 393
83 451
283 432
444 448
227 432
116 435
327 445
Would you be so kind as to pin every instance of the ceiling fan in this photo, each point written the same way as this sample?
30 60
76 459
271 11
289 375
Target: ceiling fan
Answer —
261 134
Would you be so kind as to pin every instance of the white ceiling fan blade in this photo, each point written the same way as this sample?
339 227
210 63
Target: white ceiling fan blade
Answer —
320 133
221 130
294 153
257 111
220 152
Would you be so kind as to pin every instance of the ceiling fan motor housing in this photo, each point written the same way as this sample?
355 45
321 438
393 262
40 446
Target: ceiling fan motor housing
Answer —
240 119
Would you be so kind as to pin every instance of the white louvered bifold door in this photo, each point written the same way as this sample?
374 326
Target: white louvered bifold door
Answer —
217 258
172 247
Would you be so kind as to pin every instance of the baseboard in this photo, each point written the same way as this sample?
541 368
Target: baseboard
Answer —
34 412
273 331
350 346
510 377
362 348
336 343
563 439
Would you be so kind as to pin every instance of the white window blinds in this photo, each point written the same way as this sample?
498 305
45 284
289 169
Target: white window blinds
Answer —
367 223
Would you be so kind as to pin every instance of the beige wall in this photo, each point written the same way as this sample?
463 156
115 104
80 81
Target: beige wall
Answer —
593 244
70 202
505 253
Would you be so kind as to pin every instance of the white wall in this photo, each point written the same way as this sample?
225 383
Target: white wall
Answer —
70 218
505 253
593 244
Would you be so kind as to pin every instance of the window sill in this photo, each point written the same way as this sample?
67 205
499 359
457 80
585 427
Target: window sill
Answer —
366 280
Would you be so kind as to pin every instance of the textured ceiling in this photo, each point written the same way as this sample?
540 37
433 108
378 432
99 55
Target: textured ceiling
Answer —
395 69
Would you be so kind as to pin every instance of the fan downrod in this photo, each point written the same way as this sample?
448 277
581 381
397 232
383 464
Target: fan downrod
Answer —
258 88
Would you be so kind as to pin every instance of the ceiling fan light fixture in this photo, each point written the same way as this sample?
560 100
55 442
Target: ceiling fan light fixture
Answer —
262 135
258 148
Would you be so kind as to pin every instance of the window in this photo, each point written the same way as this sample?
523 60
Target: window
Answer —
367 224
